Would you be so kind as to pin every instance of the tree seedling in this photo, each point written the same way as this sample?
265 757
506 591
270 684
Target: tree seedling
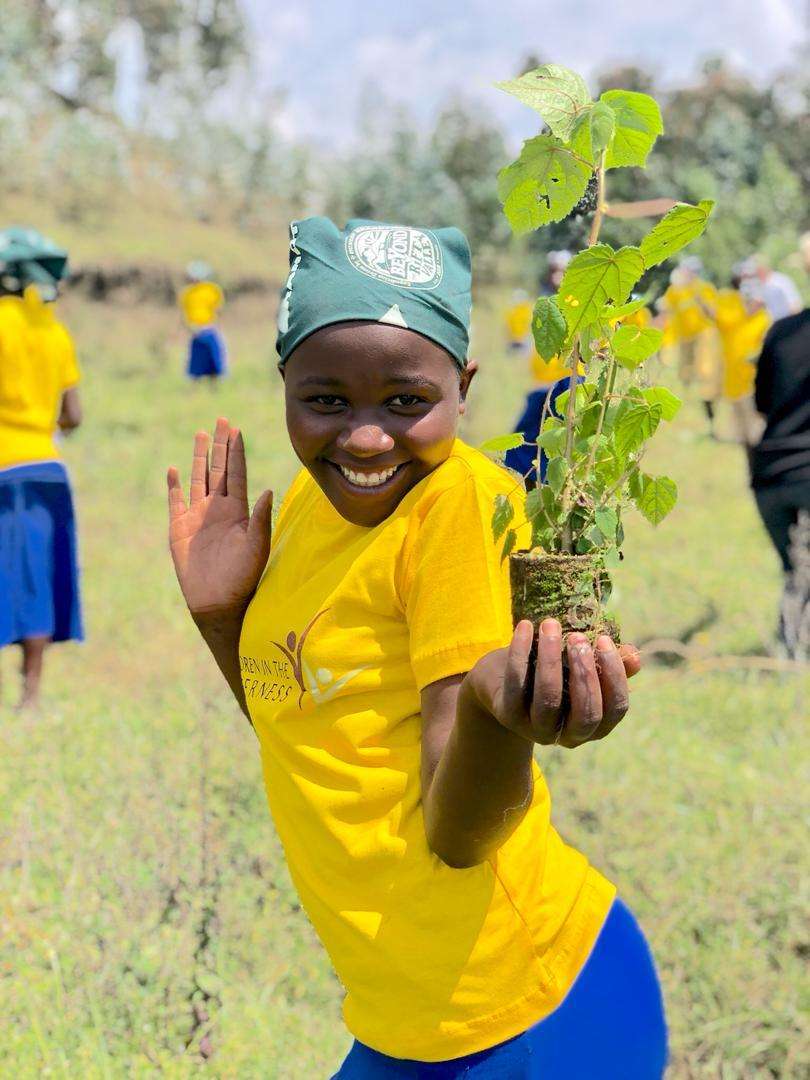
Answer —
595 444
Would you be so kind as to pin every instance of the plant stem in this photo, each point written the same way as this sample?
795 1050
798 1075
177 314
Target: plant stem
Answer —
596 224
607 399
567 539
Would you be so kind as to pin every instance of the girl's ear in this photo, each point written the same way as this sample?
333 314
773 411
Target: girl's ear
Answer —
467 376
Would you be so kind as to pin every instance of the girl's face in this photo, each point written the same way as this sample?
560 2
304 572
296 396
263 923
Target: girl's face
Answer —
372 410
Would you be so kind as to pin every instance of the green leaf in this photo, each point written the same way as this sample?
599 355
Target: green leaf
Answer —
500 443
638 125
593 277
588 419
682 224
592 538
502 515
557 93
636 426
608 521
635 484
508 544
660 395
611 560
611 312
534 504
548 327
657 499
591 337
552 437
543 185
594 130
584 393
633 345
556 473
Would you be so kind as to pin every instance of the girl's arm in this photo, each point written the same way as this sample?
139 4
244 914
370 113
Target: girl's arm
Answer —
480 729
221 634
70 410
219 549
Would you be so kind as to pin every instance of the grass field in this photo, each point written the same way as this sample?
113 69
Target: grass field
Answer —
147 923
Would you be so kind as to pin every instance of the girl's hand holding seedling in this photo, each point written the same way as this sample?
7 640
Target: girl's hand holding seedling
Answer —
534 706
219 549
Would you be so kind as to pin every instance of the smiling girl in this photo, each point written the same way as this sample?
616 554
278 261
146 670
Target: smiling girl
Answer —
371 647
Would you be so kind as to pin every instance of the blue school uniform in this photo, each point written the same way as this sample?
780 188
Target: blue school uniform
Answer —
39 575
206 354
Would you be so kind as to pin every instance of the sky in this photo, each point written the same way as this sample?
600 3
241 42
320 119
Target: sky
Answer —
328 55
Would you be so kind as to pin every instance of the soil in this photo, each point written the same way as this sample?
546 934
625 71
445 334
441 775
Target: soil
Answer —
565 587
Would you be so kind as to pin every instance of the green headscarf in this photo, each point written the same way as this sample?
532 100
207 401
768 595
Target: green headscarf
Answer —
27 257
419 279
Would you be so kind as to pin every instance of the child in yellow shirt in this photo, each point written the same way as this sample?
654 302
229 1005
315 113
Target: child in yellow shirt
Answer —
742 323
370 645
39 376
200 302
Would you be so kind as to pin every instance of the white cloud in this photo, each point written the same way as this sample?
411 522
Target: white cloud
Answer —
325 53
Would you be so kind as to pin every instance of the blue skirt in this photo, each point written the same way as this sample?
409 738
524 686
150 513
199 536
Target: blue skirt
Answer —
610 1026
206 354
39 575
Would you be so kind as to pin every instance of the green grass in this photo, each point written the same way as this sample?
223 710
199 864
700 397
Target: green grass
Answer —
154 228
133 822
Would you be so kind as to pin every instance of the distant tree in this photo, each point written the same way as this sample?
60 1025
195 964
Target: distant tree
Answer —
470 149
446 177
625 77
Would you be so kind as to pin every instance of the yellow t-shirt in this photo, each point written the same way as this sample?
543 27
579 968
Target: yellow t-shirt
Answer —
547 371
741 335
519 320
37 364
685 317
347 625
201 302
641 318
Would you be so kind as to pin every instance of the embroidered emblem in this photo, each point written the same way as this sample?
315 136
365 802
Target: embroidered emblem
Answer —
409 258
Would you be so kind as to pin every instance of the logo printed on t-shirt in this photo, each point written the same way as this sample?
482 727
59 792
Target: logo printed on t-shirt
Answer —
409 258
292 671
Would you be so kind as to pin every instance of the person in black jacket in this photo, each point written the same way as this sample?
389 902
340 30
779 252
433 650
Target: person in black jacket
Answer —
780 462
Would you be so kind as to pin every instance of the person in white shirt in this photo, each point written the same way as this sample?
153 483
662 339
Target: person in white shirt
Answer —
778 292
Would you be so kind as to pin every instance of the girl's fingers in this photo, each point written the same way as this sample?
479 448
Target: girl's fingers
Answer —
237 469
515 672
613 682
217 479
259 524
584 691
547 693
631 658
177 501
199 468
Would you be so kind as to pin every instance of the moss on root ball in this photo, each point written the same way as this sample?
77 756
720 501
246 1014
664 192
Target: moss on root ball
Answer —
569 588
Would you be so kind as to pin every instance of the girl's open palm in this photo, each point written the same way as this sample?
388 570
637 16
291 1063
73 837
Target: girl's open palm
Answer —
219 549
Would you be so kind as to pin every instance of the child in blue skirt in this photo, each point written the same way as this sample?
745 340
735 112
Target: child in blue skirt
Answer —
200 302
39 376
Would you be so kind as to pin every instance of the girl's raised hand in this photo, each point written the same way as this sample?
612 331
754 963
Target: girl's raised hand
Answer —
534 707
219 549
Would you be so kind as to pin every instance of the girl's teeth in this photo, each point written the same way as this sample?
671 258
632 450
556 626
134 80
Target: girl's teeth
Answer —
367 479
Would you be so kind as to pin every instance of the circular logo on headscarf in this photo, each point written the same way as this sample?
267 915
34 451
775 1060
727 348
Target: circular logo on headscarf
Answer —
409 258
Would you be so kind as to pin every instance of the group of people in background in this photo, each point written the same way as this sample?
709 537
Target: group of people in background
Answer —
40 600
747 344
